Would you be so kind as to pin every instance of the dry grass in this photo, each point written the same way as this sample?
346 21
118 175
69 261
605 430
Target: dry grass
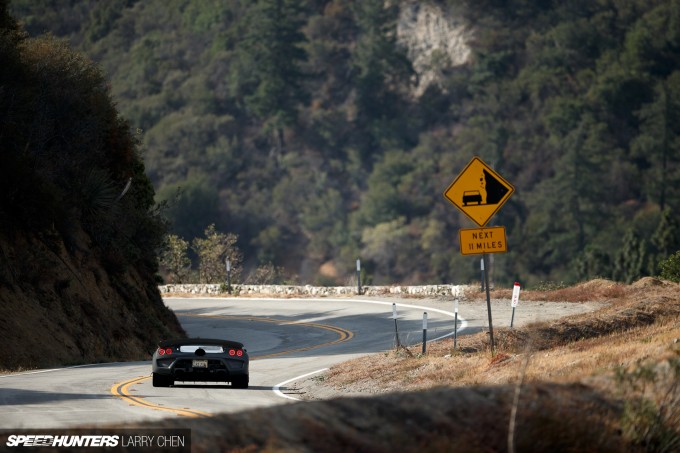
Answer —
641 321
592 290
16 370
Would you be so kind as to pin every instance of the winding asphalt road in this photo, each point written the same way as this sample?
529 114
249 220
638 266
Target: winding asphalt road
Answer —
287 339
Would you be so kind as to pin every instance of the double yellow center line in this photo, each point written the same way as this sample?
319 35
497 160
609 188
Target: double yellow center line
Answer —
123 389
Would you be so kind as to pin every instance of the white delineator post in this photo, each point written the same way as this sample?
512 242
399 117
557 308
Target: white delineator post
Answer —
455 326
359 277
515 301
228 266
396 329
481 267
424 331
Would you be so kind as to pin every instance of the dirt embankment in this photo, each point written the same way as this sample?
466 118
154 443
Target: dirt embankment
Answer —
62 306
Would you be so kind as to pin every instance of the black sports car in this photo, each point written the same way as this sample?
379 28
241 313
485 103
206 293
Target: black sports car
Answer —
200 360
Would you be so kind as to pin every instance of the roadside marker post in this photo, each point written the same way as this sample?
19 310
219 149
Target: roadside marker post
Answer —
455 326
481 266
358 276
424 331
515 301
227 263
396 328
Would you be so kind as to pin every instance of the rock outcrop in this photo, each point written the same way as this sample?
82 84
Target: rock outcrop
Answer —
434 41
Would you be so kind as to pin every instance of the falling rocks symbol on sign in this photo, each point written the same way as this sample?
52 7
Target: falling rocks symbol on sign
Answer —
495 191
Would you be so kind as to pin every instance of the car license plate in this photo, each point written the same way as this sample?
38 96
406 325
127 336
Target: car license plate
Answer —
199 363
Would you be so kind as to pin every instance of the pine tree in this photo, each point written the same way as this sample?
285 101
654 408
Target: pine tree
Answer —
567 208
270 56
630 261
593 263
666 239
659 141
380 69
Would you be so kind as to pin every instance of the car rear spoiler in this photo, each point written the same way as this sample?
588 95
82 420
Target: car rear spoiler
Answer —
200 342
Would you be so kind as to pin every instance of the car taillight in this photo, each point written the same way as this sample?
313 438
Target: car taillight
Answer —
239 353
168 351
161 351
232 352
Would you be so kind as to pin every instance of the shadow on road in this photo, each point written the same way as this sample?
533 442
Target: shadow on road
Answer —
219 386
16 397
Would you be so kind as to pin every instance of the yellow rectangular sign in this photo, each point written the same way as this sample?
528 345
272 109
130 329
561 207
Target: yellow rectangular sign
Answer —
475 241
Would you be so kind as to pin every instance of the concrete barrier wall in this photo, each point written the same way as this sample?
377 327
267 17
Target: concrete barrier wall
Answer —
456 291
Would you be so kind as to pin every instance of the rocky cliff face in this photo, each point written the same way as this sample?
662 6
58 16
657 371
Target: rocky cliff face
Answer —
434 41
61 306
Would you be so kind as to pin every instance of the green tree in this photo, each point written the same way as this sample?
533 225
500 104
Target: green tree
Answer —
666 238
193 202
388 246
658 144
175 259
382 75
269 58
322 221
266 274
629 263
213 250
566 208
593 263
670 268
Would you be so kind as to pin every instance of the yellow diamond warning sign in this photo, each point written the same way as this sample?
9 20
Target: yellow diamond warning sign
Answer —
479 191
475 241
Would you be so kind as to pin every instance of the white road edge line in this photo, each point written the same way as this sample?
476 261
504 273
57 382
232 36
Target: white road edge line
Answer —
277 387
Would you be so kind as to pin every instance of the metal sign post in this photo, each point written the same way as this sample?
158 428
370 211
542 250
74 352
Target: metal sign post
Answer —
488 303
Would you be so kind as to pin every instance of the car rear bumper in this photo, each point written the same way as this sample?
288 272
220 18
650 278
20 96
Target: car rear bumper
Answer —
218 370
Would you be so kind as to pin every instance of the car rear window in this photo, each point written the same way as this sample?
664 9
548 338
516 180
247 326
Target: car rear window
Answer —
209 349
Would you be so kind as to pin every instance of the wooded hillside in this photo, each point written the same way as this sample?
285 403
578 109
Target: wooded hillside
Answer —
297 126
